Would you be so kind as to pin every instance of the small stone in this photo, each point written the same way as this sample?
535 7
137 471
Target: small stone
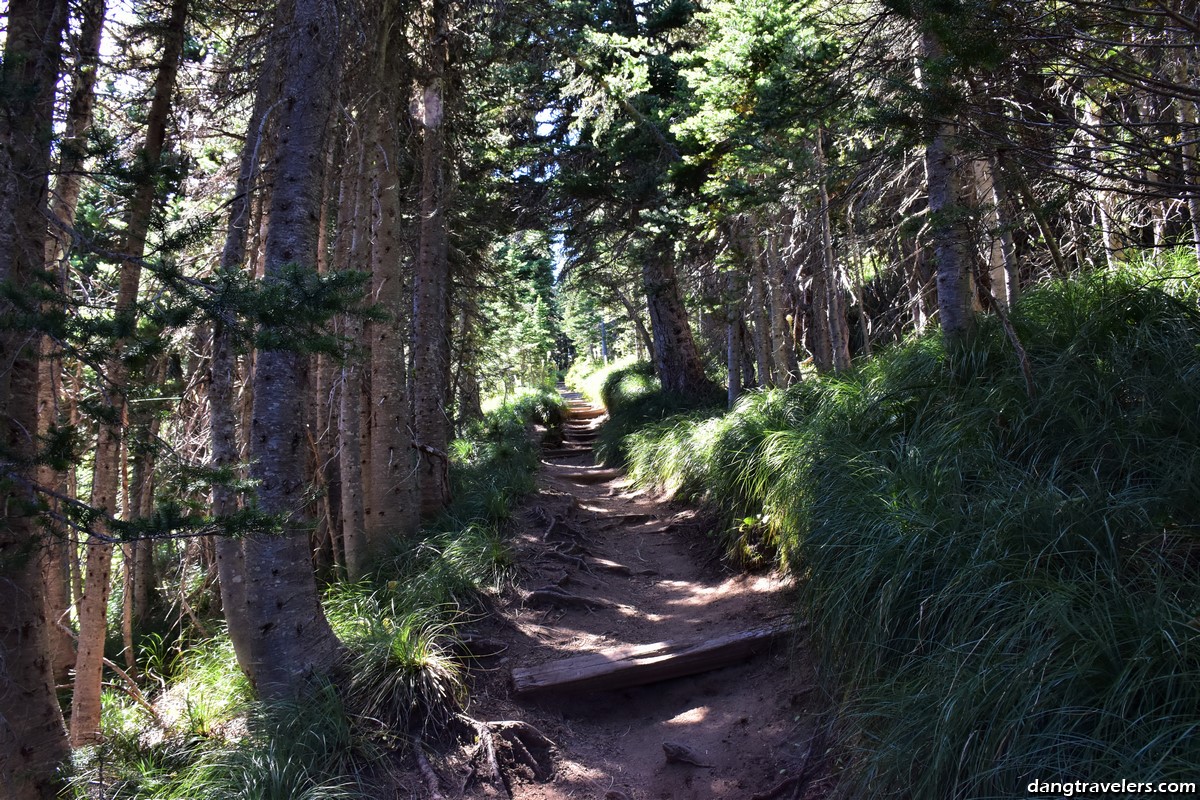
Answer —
682 754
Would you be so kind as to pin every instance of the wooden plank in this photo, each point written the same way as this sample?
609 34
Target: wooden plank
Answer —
635 665
566 452
586 412
590 476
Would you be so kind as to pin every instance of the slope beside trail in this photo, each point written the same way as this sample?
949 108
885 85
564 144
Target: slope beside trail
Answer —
602 565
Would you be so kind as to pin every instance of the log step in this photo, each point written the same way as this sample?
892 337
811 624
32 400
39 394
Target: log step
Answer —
566 452
636 665
595 476
586 413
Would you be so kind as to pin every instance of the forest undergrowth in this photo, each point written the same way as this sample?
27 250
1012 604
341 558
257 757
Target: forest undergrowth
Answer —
405 678
1000 586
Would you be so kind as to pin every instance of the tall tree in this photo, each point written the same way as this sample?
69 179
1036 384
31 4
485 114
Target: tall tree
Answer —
943 177
431 278
64 201
391 505
110 438
32 739
290 638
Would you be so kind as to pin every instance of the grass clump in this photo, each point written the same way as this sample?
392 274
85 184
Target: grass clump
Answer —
1003 586
634 398
403 678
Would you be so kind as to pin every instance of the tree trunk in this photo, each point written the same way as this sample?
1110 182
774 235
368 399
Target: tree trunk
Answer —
1189 133
32 741
392 511
864 326
835 304
291 638
89 661
231 570
943 182
818 329
431 287
355 220
761 338
787 368
64 199
1103 203
996 256
733 340
676 359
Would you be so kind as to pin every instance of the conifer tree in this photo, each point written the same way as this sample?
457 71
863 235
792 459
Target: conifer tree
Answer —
33 743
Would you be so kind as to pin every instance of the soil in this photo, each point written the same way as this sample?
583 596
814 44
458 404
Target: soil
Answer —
648 573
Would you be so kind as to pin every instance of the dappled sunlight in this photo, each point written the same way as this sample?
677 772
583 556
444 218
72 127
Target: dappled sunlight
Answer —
693 716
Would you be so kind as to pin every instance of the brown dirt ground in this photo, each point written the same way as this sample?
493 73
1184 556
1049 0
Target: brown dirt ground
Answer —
755 723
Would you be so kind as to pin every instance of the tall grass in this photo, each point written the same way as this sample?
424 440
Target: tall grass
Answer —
634 399
402 679
1001 589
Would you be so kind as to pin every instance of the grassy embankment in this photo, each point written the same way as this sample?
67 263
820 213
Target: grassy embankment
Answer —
402 680
1001 588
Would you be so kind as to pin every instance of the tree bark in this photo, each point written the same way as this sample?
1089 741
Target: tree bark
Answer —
64 198
291 638
943 183
733 340
231 569
32 740
835 304
786 366
756 257
431 286
89 660
676 359
392 507
356 219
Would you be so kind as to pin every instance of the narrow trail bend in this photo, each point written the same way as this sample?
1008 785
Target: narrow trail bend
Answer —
603 566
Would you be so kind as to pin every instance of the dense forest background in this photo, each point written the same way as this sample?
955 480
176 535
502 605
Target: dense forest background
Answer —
910 285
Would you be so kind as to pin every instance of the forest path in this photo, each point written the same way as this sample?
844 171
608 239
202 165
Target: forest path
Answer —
641 571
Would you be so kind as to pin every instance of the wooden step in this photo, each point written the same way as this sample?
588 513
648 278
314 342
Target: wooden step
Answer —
580 474
636 665
586 413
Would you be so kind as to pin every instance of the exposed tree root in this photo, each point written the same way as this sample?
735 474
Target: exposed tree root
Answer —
509 750
554 597
575 561
561 530
809 767
432 782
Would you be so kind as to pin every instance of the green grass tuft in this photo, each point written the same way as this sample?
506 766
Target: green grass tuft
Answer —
402 679
1000 589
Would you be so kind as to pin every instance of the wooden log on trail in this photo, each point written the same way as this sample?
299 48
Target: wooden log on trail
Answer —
585 475
586 412
636 665
566 452
556 597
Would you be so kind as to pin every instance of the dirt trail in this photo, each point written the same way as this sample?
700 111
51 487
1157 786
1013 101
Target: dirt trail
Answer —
652 576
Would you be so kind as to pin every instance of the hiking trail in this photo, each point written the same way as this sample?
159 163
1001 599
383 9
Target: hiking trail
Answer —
604 568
